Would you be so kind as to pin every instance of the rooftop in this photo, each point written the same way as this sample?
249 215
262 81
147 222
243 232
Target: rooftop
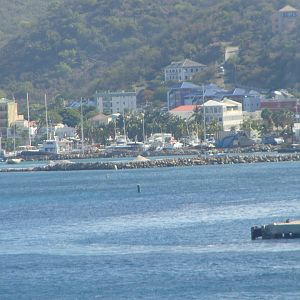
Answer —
184 108
184 63
100 117
288 8
186 85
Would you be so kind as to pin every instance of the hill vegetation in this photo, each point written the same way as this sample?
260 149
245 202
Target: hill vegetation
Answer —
80 46
17 16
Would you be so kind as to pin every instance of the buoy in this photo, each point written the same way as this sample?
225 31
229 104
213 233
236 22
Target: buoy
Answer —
138 188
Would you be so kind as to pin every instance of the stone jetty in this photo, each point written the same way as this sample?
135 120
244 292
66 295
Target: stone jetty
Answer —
166 162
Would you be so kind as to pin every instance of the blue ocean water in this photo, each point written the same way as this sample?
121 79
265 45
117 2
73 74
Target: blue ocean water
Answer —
91 235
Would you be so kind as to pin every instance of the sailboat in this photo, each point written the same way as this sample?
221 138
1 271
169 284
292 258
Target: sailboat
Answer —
50 145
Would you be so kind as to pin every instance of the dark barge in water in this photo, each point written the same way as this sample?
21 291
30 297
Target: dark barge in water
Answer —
281 230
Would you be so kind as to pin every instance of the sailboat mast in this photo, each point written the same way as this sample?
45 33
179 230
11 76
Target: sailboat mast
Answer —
14 137
46 109
124 126
29 136
204 116
81 121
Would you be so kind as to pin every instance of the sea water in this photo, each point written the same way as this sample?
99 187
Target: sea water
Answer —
186 235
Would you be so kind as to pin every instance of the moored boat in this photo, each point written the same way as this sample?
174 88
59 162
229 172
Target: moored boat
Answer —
13 161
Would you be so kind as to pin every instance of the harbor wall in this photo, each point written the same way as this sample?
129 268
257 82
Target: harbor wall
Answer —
165 162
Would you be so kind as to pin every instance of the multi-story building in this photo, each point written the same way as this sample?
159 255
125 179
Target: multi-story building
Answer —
284 20
273 105
8 115
227 113
184 93
281 100
182 70
115 102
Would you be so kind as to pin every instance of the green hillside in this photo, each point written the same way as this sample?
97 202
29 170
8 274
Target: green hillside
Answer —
83 45
17 16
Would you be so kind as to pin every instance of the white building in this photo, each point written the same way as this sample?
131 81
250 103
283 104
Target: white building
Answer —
182 70
227 113
115 102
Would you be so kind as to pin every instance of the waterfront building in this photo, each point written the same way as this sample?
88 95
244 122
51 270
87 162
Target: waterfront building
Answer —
227 113
187 93
115 102
8 115
182 70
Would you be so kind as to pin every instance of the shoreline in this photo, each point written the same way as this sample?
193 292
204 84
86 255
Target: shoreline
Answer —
161 163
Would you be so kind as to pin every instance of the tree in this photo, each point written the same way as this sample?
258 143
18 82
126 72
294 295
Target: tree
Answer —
267 125
70 117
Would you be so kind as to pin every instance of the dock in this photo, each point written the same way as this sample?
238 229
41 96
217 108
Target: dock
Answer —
280 230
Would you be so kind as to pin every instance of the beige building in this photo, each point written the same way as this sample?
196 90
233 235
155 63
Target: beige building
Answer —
227 113
8 115
284 20
100 119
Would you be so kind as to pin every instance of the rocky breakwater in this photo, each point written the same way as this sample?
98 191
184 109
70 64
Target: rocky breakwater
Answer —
161 163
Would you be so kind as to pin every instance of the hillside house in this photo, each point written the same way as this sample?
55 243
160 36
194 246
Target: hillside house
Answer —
284 20
182 70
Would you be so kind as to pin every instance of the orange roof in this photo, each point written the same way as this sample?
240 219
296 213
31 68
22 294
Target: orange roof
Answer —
185 108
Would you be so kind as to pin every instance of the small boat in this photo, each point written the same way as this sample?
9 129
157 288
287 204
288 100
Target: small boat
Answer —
282 230
13 161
